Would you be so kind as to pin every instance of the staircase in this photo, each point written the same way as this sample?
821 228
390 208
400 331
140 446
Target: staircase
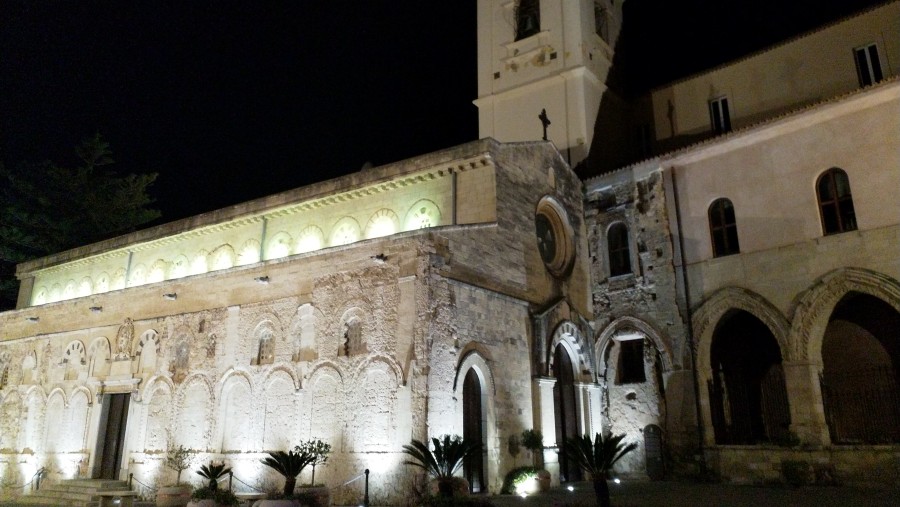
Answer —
79 493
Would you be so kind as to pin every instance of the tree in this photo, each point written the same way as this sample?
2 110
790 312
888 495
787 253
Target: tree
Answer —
289 465
597 458
319 451
442 463
47 208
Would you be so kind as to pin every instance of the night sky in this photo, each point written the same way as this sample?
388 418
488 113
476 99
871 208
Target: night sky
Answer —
233 100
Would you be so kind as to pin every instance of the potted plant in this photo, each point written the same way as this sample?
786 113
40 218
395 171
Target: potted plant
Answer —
442 463
533 440
313 494
289 465
205 497
597 458
178 459
210 495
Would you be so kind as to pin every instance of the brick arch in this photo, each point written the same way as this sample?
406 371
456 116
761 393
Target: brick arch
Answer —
626 323
281 368
815 306
473 360
568 335
708 315
392 366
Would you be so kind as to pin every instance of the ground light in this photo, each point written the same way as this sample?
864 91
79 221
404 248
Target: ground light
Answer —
570 488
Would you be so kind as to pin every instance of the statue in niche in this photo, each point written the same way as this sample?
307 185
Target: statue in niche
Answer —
124 337
211 346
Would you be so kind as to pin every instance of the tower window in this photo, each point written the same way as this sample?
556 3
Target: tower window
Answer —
619 253
723 228
601 19
631 362
528 18
835 202
868 66
719 116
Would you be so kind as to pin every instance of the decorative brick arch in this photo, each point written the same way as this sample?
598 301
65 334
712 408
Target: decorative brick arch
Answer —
281 367
572 340
721 302
474 360
815 306
624 324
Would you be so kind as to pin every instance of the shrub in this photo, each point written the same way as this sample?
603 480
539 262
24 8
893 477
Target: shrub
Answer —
517 476
220 496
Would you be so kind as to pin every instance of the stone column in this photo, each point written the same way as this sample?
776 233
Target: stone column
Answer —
545 421
587 405
801 378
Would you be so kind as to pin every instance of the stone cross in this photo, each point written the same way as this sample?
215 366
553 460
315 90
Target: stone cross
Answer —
544 121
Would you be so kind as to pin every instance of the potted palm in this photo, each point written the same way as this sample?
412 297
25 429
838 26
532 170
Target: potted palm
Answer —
443 462
178 459
289 465
210 495
597 458
315 495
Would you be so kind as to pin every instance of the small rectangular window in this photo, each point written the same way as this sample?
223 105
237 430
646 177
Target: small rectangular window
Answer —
631 362
719 116
868 66
601 21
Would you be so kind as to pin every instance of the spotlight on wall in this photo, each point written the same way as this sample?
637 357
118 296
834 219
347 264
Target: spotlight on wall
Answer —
262 279
32 319
96 309
171 296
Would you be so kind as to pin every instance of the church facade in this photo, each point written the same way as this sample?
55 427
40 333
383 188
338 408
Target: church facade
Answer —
731 303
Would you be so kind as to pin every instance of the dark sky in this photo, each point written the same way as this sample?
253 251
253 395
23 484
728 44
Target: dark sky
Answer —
233 100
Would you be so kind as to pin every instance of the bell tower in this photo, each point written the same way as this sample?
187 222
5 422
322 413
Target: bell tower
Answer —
543 68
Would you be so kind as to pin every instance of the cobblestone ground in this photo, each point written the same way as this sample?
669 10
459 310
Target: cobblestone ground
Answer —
676 494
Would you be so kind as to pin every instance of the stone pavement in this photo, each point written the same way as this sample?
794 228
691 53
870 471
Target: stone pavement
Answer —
678 494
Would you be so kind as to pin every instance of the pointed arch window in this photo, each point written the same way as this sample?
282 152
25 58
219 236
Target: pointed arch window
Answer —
835 202
619 251
723 228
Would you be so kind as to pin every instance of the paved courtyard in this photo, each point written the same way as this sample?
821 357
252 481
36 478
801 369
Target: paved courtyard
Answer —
674 494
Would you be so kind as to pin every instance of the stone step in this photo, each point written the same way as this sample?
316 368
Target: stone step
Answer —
73 493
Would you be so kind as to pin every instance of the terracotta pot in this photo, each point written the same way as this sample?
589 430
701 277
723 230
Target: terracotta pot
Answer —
457 485
317 496
543 479
173 496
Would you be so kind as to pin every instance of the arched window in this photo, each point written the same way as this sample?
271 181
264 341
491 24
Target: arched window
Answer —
722 228
528 18
619 253
835 202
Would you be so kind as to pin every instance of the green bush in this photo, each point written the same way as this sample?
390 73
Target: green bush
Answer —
515 477
221 496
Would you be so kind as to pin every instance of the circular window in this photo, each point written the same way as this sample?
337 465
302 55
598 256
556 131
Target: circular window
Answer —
555 240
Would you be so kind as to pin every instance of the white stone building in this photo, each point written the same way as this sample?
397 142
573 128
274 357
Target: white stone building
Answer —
745 277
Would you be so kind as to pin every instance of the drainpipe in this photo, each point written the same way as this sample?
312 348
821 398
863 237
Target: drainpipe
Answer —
701 434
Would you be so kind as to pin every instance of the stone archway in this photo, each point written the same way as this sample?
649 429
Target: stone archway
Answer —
705 322
474 388
633 362
861 371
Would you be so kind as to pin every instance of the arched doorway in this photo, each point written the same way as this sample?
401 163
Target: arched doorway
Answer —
748 399
861 371
473 431
565 412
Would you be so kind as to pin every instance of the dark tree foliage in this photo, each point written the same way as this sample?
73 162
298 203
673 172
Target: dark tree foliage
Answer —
47 208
